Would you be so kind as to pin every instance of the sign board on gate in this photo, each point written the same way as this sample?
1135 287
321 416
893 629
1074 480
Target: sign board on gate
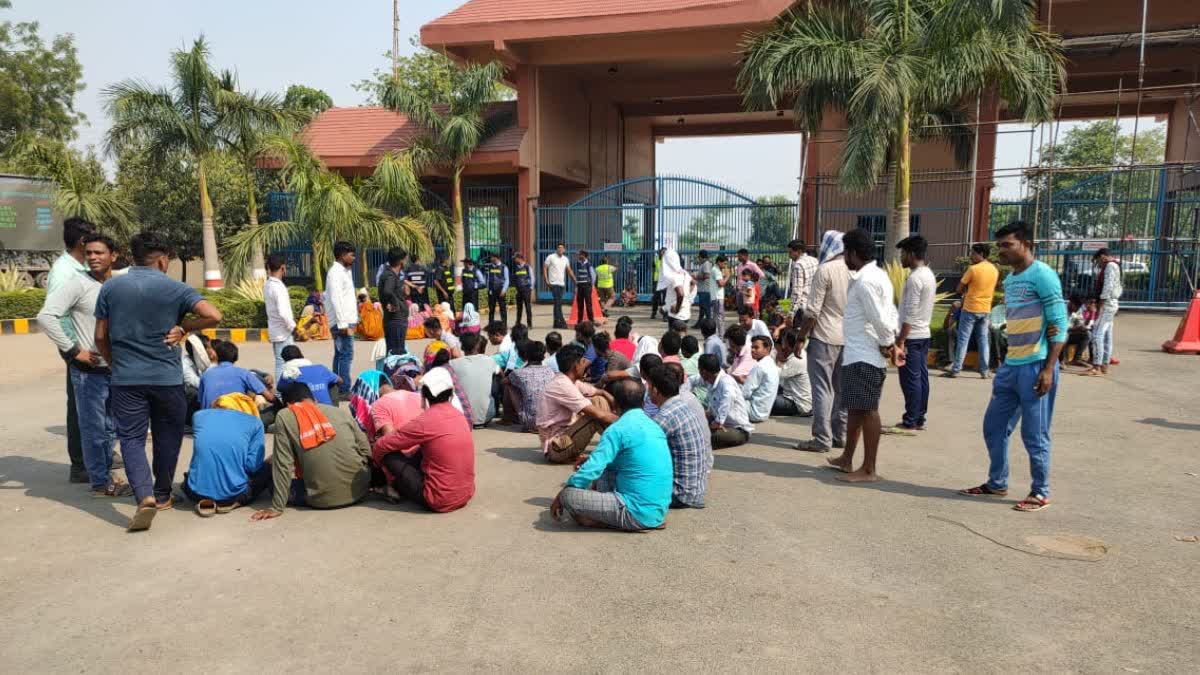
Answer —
614 246
709 246
1093 245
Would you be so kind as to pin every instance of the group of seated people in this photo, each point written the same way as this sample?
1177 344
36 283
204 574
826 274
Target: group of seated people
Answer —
659 405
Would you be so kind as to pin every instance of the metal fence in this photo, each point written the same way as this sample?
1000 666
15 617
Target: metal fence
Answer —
628 222
489 222
1148 216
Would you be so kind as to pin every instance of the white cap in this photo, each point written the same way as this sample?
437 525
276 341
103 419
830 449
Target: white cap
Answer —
437 381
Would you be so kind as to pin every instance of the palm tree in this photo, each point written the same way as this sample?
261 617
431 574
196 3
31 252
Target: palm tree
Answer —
901 70
82 190
382 211
248 119
187 116
455 129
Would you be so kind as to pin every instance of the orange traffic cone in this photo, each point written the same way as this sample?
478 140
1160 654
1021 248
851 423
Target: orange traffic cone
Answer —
1187 336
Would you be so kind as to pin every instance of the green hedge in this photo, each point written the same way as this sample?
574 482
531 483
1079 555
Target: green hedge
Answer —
21 304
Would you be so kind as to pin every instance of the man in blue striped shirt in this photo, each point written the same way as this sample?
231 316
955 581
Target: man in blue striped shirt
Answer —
1026 384
682 419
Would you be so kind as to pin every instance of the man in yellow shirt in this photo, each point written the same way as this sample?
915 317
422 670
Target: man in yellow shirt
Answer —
977 287
604 284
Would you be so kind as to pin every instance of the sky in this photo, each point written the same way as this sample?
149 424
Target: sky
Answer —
330 45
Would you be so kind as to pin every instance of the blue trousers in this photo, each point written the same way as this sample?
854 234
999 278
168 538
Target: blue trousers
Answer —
973 324
1013 399
277 348
95 424
914 381
164 410
343 358
704 300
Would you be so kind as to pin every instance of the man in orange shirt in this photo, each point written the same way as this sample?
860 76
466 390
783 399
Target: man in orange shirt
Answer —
977 287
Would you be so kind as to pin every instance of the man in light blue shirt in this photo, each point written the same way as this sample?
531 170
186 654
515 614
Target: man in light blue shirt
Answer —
762 384
226 378
728 414
630 473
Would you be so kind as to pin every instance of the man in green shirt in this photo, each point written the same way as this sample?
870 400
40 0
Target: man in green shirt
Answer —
604 284
333 473
67 266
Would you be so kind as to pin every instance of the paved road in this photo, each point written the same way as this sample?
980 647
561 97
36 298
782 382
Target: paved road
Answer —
785 570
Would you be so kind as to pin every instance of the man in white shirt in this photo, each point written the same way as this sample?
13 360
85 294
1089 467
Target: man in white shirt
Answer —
281 325
762 384
795 392
912 343
342 309
870 331
681 298
728 415
554 271
754 327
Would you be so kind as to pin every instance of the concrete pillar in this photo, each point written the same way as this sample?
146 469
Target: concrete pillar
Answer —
1183 134
529 172
985 164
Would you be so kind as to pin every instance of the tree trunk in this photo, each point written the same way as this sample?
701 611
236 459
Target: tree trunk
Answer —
460 238
208 235
901 190
258 265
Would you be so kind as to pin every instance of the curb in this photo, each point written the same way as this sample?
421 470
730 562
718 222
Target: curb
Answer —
27 326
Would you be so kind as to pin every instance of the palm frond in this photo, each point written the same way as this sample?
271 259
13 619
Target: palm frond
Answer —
476 88
239 249
401 99
950 124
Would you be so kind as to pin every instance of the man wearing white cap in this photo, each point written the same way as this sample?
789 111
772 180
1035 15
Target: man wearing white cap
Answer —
431 459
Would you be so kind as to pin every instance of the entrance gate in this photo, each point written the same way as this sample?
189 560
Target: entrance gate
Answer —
629 221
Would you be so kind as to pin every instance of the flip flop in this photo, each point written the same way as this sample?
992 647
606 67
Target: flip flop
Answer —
163 506
142 518
206 508
226 508
1032 503
983 491
897 431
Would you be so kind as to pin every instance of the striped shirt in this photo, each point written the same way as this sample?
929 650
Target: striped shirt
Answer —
682 420
1033 300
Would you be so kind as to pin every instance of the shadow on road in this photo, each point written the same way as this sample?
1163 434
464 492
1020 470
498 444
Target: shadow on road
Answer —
48 480
743 464
531 454
1167 424
57 430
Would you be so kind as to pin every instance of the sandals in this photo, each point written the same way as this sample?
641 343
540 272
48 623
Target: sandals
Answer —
1032 503
226 508
206 508
983 491
114 489
142 518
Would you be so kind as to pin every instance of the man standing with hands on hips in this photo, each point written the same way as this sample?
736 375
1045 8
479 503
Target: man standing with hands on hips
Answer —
554 271
342 308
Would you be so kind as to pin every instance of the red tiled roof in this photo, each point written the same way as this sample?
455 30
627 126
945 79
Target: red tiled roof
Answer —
347 136
493 11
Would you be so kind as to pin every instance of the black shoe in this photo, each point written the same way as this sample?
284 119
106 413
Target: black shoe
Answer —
79 476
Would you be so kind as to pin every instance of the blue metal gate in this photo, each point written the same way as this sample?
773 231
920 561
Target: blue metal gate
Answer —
1149 216
628 222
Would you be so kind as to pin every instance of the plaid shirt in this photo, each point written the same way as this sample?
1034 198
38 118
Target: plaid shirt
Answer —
800 279
682 420
530 381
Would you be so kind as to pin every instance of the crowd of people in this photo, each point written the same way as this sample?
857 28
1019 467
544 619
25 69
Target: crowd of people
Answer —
656 403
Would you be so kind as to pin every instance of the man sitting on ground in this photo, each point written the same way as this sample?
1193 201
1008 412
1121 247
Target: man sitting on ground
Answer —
728 417
606 358
319 456
296 368
689 355
478 374
752 325
713 344
621 342
435 332
227 469
669 346
431 460
795 392
739 350
226 378
553 344
629 474
762 385
571 411
524 386
682 420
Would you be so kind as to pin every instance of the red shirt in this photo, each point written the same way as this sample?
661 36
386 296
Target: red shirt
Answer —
625 346
443 436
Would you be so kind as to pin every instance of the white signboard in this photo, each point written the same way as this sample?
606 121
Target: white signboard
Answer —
1093 245
617 246
709 246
